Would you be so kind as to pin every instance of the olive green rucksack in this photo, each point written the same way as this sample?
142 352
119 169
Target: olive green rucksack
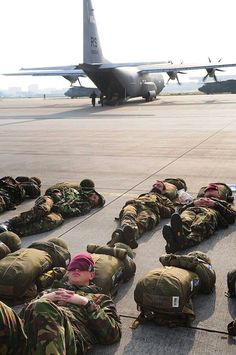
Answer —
12 240
113 266
231 282
4 250
197 262
164 296
19 270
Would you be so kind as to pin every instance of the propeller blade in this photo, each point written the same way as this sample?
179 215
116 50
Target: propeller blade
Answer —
209 59
220 69
203 79
181 72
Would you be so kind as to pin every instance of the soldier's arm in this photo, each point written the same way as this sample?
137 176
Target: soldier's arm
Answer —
166 207
104 320
225 210
74 209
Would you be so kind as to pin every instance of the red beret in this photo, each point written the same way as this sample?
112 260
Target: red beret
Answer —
82 261
211 187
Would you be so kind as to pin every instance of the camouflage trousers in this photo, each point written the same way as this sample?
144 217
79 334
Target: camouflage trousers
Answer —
39 219
140 217
50 330
12 336
199 223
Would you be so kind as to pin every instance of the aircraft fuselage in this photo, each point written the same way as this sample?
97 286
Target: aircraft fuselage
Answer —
125 82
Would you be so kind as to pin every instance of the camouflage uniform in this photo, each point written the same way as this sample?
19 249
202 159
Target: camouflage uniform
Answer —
145 212
11 194
49 212
12 335
14 191
200 223
71 329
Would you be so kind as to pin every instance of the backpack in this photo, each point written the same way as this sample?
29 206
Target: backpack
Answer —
164 296
113 266
19 270
197 262
231 282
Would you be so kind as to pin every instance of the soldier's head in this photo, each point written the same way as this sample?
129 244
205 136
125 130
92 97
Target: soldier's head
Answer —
211 190
56 195
96 199
158 187
81 269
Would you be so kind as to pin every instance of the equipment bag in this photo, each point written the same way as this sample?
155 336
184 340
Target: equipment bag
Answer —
164 296
112 267
231 282
19 270
197 262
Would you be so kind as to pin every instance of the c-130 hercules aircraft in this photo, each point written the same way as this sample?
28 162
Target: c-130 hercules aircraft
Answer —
117 82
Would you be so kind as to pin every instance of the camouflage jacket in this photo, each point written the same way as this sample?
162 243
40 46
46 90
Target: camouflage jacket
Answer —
97 322
72 203
224 212
156 202
12 192
12 336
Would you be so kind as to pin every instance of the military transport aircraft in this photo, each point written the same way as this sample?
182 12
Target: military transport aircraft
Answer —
117 82
219 87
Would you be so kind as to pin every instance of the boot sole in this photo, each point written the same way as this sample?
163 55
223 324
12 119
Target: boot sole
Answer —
129 237
176 224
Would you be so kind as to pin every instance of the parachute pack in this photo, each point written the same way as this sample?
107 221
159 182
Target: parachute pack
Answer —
19 270
164 295
113 266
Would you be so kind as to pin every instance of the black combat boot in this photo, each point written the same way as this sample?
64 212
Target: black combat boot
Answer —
129 236
169 236
116 237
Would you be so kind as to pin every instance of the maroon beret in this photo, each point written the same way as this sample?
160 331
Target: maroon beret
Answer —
211 187
81 261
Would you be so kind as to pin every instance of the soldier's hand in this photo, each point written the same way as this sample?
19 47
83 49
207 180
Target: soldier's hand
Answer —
51 296
204 202
67 296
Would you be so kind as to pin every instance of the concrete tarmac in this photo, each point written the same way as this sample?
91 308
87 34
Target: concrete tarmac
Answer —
124 149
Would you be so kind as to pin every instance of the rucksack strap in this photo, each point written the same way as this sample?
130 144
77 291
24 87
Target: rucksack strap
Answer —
232 328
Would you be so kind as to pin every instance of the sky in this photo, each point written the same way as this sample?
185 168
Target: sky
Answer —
49 32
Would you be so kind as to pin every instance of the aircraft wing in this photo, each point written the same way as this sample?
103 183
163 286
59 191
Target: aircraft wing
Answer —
163 68
47 72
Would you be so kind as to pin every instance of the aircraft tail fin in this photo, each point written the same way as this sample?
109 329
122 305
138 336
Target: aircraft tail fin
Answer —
92 48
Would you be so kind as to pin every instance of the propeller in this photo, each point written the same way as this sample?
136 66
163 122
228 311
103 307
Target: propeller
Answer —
173 74
211 71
